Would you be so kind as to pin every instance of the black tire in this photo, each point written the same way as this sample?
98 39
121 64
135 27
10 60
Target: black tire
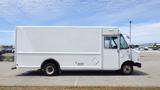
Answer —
127 69
50 69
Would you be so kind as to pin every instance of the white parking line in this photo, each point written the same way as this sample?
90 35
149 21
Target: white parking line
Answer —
76 81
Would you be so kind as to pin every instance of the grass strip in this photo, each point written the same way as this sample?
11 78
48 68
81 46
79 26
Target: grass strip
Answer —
76 88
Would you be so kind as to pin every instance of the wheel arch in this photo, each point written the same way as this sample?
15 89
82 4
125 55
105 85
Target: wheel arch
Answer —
50 60
127 62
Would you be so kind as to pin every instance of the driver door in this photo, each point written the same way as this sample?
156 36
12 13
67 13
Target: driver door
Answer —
110 53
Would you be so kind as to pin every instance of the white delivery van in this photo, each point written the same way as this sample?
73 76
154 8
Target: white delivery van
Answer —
56 48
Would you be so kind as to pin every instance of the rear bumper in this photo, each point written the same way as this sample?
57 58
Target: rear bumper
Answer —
13 68
137 64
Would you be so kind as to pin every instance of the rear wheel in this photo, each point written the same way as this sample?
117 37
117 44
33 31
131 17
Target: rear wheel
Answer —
127 69
50 69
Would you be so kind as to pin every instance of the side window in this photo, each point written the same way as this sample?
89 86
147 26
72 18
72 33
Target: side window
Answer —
106 42
110 42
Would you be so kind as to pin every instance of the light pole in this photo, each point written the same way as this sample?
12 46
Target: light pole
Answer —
130 22
130 27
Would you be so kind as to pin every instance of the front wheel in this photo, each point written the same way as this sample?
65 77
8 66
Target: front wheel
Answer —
50 69
127 69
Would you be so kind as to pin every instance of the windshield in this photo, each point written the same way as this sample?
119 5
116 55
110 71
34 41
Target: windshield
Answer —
123 43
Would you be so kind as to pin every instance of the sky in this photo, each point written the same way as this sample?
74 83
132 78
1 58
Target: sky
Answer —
144 14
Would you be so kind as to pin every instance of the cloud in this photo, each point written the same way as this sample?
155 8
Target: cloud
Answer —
99 12
119 13
143 33
33 11
144 14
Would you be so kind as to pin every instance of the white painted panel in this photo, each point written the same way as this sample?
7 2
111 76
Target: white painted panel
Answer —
110 31
110 59
66 61
124 55
58 39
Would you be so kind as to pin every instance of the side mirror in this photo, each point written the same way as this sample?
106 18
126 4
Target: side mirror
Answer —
128 37
133 46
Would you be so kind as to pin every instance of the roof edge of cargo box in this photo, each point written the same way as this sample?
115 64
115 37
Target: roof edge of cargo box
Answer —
107 27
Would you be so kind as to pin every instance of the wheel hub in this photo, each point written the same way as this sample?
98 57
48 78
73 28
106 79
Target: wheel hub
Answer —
127 69
49 70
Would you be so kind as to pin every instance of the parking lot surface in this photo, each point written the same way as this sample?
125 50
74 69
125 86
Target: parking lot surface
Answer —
148 76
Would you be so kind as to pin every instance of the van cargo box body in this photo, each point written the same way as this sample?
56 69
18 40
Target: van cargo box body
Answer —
72 48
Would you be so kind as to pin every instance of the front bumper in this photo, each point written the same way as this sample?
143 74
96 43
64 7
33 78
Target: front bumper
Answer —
137 64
